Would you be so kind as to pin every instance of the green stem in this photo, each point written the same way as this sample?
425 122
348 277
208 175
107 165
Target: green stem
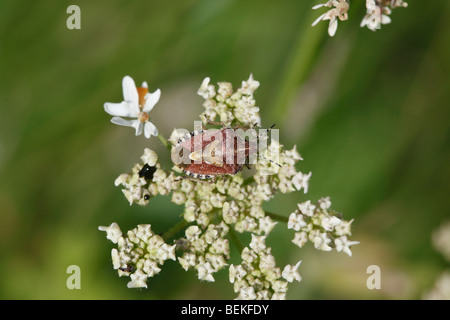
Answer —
164 141
174 230
277 217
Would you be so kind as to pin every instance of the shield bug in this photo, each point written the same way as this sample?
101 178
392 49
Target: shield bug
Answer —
206 154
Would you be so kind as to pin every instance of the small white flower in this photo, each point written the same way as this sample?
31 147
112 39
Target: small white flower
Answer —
258 243
188 260
138 102
307 208
342 244
249 86
290 273
375 16
149 157
329 223
300 239
301 180
205 272
236 273
247 293
321 241
178 198
266 225
296 221
138 280
206 90
122 179
193 232
343 228
324 203
225 90
339 11
113 232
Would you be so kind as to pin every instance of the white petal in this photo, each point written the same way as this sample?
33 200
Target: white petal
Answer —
119 109
123 122
150 129
319 6
130 93
385 19
150 100
139 126
144 84
364 21
318 19
332 27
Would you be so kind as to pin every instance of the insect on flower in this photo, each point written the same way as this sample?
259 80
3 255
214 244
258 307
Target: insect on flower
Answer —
147 172
206 154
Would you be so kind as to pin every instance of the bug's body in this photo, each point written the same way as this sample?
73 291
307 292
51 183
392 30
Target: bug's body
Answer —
210 153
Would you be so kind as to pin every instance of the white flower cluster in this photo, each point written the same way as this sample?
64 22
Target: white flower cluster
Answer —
139 188
321 226
258 277
441 242
339 10
441 289
212 208
205 250
228 107
139 254
378 12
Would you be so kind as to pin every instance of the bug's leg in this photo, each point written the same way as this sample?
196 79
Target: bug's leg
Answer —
216 123
180 178
200 180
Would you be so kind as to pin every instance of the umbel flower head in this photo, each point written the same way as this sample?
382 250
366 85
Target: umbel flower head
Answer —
378 12
138 102
214 212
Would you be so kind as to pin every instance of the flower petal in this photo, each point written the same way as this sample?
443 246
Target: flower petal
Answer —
130 93
139 126
318 19
119 109
319 6
150 100
150 129
385 19
332 27
123 122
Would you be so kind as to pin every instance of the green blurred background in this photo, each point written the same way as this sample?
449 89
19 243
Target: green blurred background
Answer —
369 112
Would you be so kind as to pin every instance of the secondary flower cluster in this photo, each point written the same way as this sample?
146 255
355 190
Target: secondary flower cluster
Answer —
214 210
321 226
139 253
258 277
378 13
441 242
228 106
205 250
